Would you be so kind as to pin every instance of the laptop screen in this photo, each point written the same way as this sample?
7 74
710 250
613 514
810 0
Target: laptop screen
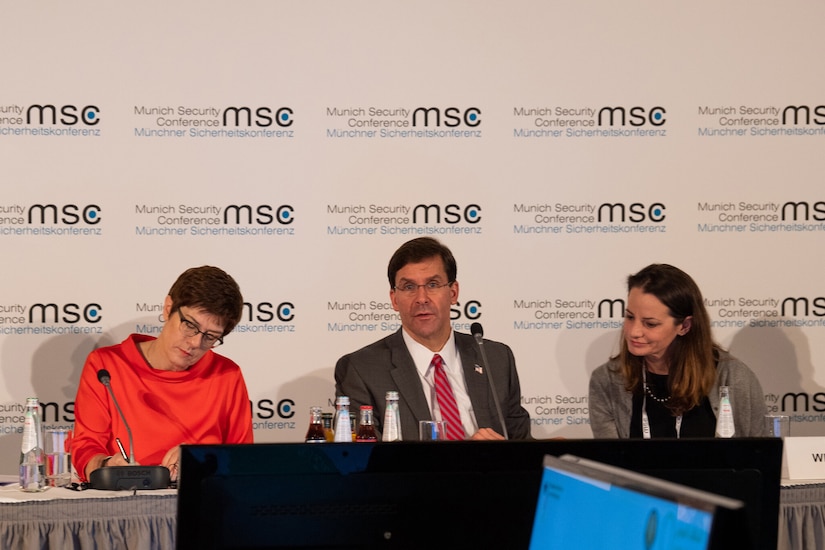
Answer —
585 504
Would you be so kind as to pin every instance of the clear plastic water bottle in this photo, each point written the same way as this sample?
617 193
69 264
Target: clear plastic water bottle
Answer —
724 422
343 425
32 463
392 420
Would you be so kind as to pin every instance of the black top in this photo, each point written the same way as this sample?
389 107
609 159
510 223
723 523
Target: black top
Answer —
700 421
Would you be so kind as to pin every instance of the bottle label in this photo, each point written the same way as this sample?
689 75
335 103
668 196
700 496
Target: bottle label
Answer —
392 430
724 424
29 434
343 428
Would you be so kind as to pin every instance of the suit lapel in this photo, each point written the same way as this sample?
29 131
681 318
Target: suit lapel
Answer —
477 385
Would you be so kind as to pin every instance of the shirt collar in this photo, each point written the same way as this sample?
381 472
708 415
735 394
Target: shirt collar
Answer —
422 356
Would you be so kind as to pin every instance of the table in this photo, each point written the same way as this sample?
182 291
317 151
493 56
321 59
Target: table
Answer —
802 515
61 518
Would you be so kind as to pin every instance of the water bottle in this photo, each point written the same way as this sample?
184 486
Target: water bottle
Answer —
724 422
343 426
392 421
32 464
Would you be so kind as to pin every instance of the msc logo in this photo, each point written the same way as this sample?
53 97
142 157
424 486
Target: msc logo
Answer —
802 211
803 307
451 213
610 309
635 212
285 408
802 115
470 310
263 214
450 117
635 116
264 312
818 399
52 411
69 115
262 117
69 214
67 313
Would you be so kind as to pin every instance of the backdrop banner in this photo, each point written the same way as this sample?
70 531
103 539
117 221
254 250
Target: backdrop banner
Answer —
555 147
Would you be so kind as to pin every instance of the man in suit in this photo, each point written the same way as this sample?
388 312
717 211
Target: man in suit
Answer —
423 287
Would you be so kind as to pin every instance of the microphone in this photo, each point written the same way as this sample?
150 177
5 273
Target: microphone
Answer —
478 334
104 378
132 477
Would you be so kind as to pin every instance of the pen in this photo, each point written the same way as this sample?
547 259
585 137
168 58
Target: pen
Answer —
122 450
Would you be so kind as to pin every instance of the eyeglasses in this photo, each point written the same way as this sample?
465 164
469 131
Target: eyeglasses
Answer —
411 289
189 329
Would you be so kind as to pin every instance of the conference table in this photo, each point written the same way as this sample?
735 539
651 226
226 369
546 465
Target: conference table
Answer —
802 515
60 518
63 518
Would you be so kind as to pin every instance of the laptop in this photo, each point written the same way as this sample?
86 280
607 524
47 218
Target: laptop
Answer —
584 504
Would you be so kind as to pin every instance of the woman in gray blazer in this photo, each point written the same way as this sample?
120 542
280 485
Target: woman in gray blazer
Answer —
665 380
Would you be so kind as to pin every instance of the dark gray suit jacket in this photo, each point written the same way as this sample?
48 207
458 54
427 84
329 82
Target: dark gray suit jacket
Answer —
366 375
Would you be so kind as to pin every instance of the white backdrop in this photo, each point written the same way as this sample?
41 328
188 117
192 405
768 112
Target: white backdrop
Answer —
556 147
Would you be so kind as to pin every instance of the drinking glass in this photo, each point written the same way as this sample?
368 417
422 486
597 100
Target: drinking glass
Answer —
432 430
58 457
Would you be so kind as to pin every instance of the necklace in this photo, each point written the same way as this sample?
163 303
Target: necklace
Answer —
647 386
655 398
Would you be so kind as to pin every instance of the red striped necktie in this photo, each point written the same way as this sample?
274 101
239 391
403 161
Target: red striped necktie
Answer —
446 400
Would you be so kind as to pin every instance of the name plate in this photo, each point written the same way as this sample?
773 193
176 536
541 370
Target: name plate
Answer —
803 458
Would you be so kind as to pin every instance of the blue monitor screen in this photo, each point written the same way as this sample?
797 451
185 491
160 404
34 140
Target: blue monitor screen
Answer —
575 511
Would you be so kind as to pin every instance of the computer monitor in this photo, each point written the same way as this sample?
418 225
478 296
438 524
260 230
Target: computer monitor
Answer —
481 493
585 504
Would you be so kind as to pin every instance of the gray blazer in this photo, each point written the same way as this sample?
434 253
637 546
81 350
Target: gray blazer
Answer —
366 375
611 406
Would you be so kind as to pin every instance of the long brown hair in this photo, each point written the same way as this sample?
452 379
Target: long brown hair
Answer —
691 356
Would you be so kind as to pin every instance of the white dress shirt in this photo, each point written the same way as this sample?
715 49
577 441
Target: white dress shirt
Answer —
422 357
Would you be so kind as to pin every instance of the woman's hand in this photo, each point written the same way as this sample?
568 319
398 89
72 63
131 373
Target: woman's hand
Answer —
171 460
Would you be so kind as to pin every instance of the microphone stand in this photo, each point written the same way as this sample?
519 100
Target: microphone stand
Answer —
478 334
132 477
131 459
